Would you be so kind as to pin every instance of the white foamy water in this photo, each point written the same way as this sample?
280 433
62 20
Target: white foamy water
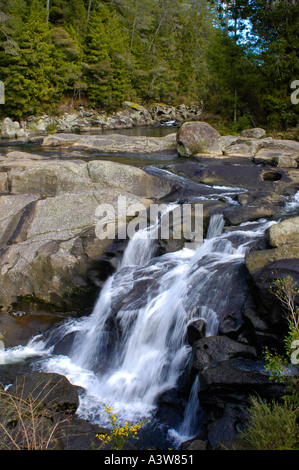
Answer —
132 347
293 205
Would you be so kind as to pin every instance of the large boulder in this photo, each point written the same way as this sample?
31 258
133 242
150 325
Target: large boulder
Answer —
137 113
255 132
38 413
239 215
265 266
198 137
11 129
112 143
49 239
210 351
284 232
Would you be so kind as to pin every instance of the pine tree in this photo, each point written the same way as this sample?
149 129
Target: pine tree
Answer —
28 69
276 26
105 65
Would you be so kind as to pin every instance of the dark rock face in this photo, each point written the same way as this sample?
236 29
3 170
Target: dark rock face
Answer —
47 403
208 352
195 331
269 308
230 366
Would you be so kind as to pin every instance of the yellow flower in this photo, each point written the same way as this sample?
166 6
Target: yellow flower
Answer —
119 434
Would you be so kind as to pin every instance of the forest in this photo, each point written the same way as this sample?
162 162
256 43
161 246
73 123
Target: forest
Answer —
237 60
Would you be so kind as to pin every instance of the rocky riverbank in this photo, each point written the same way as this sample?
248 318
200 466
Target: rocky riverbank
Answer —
83 120
52 260
50 254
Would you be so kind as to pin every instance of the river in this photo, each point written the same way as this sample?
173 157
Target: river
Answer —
132 350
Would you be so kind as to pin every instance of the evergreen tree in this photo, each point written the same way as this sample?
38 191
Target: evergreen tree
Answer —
193 42
68 58
28 69
105 65
276 26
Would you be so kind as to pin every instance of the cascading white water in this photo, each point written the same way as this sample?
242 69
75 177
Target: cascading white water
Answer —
292 206
216 225
189 425
132 347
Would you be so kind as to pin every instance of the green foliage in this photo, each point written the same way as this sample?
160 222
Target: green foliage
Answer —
28 70
271 426
173 51
283 368
105 64
274 426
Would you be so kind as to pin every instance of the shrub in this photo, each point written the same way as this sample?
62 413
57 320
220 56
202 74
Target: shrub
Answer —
271 426
274 426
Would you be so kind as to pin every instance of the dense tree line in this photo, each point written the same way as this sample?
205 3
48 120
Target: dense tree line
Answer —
236 59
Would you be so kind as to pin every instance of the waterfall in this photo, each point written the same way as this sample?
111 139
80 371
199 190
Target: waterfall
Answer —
215 226
292 206
190 426
132 347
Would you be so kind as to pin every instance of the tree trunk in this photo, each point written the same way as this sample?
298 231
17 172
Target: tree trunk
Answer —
235 105
133 34
48 10
88 11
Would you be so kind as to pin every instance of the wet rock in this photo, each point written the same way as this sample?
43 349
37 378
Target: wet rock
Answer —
265 268
226 427
50 391
239 215
234 378
198 137
224 391
257 198
257 329
17 326
210 351
196 330
48 402
78 434
249 177
193 445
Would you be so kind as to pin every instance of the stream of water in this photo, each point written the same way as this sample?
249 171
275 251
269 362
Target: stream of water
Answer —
132 348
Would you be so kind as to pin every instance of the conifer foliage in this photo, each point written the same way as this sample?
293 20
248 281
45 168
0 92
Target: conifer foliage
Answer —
236 59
